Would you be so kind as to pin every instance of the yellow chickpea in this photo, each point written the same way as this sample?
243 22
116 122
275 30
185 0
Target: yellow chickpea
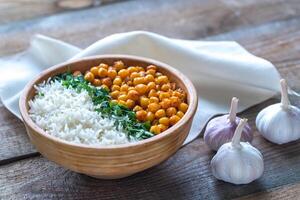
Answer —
144 102
137 108
164 120
89 76
124 88
115 94
155 129
141 88
121 102
180 114
176 94
150 116
174 119
175 101
130 103
107 81
133 94
123 73
163 95
171 111
151 85
132 69
151 71
153 107
152 93
151 67
165 87
94 70
105 66
162 127
97 82
160 113
105 87
157 74
123 97
77 73
183 107
138 80
117 81
119 65
154 100
165 103
141 115
149 78
102 72
134 75
162 80
111 73
115 87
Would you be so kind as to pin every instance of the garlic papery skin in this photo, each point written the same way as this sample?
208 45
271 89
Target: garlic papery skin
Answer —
220 130
280 123
237 162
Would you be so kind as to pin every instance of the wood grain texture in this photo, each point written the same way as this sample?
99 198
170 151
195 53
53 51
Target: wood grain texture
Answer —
267 28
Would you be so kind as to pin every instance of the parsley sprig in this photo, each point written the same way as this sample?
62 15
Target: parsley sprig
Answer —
123 116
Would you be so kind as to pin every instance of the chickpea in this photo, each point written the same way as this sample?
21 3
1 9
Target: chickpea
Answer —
89 76
180 114
175 101
153 107
141 88
77 73
102 72
163 95
165 103
119 65
133 94
151 71
115 87
97 82
124 88
152 67
160 113
138 80
161 80
94 70
117 81
171 111
152 93
164 120
162 127
141 115
155 129
132 69
149 78
165 87
174 119
105 87
111 73
137 108
134 75
183 107
131 88
150 116
107 81
130 103
151 85
154 100
123 97
105 66
144 102
157 74
123 73
129 83
121 102
176 94
115 94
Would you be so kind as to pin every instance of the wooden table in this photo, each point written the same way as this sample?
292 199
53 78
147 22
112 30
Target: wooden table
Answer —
267 28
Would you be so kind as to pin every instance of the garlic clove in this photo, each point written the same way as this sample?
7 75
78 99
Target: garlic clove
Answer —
237 162
220 130
280 123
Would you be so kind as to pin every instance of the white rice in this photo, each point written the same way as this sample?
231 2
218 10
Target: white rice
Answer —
70 115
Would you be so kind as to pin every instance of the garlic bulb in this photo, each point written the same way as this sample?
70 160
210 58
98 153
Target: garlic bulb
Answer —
280 123
237 162
220 130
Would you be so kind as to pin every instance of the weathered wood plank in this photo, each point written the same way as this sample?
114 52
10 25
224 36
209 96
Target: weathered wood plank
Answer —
186 175
182 19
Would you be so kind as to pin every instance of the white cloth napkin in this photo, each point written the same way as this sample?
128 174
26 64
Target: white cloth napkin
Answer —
219 70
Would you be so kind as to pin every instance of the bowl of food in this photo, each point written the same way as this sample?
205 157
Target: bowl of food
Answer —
108 116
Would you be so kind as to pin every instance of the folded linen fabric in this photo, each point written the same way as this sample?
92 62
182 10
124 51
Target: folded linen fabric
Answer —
219 70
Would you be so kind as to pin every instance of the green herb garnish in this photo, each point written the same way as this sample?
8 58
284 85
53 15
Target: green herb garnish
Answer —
124 117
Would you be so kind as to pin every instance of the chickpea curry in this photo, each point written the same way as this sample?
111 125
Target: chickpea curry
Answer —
149 93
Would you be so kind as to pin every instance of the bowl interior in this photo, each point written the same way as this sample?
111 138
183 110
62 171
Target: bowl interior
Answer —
85 64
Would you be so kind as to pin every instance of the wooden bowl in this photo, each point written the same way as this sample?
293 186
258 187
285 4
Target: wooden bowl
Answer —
110 162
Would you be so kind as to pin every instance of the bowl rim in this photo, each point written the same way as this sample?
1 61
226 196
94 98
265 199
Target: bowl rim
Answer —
191 90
